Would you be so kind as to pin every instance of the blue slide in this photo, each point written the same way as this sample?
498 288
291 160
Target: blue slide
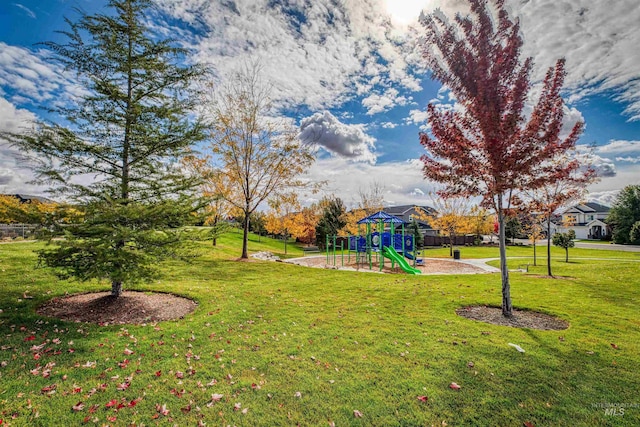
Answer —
410 256
389 252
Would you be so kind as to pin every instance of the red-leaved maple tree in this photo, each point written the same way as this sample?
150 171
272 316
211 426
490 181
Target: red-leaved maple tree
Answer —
488 145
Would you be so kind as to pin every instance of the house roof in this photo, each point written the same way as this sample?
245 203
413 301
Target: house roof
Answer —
590 207
403 209
28 197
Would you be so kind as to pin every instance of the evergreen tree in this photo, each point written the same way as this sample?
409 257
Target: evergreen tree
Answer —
127 132
331 221
414 229
634 235
625 213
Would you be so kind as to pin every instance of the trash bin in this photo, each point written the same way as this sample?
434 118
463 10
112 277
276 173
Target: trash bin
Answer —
456 254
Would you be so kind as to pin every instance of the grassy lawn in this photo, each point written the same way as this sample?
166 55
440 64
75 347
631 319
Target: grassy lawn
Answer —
280 344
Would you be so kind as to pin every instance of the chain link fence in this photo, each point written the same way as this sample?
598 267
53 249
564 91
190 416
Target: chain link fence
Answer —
20 231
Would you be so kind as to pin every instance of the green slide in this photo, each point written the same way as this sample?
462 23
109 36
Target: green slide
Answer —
391 253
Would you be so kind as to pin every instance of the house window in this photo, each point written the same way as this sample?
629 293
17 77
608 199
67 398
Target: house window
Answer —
590 218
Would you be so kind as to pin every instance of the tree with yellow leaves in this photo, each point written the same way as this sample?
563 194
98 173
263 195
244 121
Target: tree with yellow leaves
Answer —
371 200
10 208
281 218
480 221
451 218
214 189
14 211
534 229
257 152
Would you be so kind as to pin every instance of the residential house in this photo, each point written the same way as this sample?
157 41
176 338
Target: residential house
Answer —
587 220
408 212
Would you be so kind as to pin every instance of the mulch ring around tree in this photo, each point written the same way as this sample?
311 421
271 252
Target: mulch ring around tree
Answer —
129 308
520 319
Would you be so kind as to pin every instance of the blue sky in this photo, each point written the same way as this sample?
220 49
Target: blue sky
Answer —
352 71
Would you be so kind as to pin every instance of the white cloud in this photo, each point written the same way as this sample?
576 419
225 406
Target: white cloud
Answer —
418 117
34 78
26 10
598 38
606 198
376 103
628 159
13 174
403 181
348 141
389 125
619 147
319 54
626 174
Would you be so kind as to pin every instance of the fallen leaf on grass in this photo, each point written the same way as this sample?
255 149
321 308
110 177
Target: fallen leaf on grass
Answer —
111 403
614 346
128 352
529 424
215 397
357 413
162 410
50 389
423 398
123 386
78 407
454 386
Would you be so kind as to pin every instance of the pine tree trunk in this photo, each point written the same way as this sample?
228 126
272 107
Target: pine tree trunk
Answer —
116 288
245 236
534 252
507 308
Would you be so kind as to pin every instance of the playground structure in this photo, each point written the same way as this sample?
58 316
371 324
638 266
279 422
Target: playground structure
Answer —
380 241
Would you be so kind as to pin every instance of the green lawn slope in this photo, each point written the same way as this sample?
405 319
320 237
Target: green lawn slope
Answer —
273 344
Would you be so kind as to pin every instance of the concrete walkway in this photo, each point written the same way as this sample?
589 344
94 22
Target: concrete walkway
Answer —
587 245
476 262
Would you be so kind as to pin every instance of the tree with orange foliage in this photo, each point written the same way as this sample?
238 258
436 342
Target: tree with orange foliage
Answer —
489 146
281 217
304 222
